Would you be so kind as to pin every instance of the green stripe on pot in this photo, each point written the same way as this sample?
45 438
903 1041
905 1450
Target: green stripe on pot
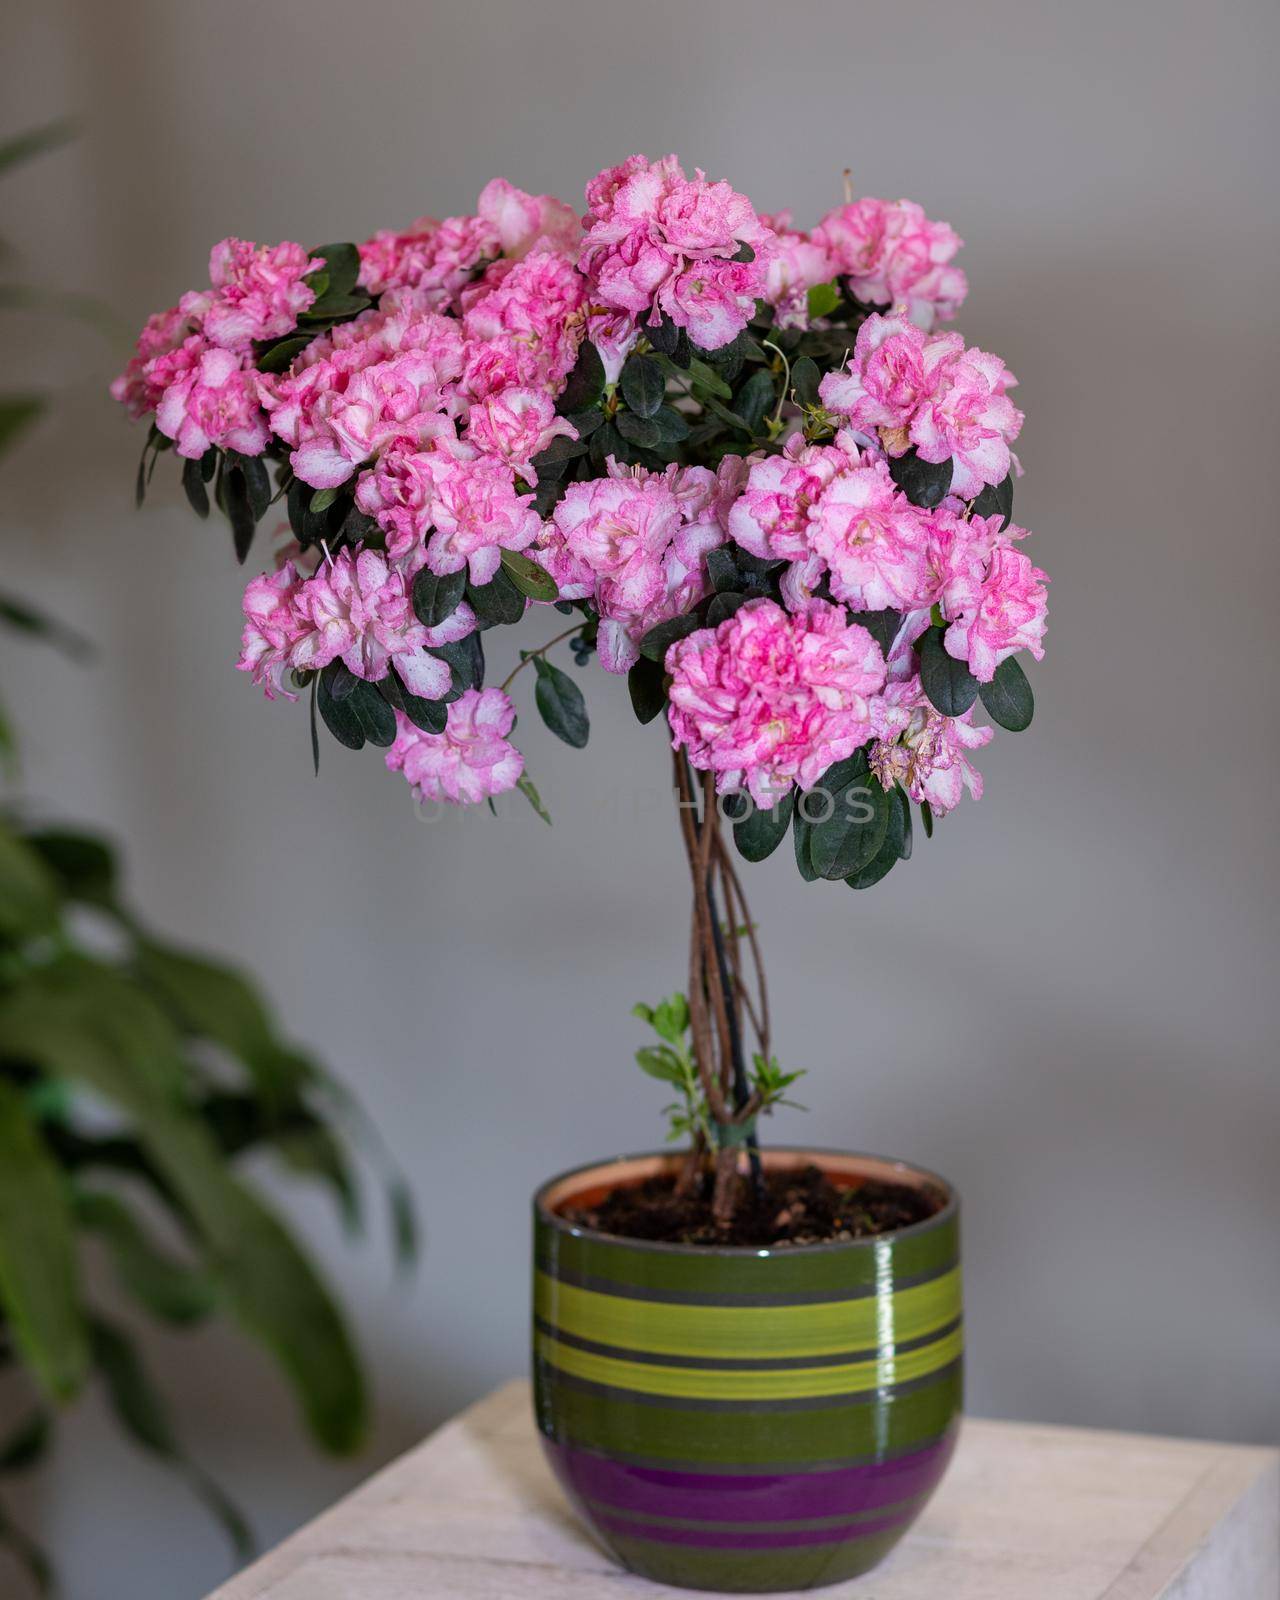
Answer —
752 1571
758 1384
776 1331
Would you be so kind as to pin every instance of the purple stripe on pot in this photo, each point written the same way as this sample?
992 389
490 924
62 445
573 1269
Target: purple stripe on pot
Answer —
737 1497
750 1538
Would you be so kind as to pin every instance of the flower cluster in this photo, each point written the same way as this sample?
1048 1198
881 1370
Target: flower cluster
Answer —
737 454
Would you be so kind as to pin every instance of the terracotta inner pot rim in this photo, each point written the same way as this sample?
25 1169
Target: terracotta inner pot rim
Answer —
634 1168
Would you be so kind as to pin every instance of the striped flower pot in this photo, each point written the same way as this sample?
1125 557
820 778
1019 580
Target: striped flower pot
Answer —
747 1420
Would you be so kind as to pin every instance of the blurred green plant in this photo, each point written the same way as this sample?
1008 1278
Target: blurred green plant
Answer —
135 1079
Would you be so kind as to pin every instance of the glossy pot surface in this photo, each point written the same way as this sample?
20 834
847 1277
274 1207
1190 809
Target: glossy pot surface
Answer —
740 1419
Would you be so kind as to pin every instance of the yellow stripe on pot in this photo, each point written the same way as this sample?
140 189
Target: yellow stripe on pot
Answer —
796 1383
780 1332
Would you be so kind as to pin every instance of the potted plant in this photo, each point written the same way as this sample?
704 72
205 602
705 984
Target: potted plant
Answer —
755 478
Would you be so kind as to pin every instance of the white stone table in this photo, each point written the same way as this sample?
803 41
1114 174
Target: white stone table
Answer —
1025 1513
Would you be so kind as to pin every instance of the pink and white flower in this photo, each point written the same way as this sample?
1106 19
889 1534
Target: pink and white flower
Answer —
515 425
523 221
999 613
470 761
768 699
207 399
658 241
359 609
797 263
523 321
476 512
871 538
771 517
969 418
136 388
885 382
258 291
272 627
924 751
891 253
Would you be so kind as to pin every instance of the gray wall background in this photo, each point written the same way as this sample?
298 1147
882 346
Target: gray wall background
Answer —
1066 1002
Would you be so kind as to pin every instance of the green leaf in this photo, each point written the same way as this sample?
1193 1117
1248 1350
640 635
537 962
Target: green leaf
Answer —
670 1018
800 838
17 413
436 596
39 1289
949 684
585 384
376 718
338 715
560 704
172 1290
28 890
342 265
722 569
658 640
761 831
893 848
646 684
643 384
1007 699
279 356
40 625
756 398
996 500
321 500
723 606
707 378
194 489
823 298
431 716
553 461
641 431
659 1062
141 1411
20 147
528 576
926 816
78 1020
805 378
671 424
529 790
852 834
925 483
465 659
332 307
212 1000
27 1444
235 501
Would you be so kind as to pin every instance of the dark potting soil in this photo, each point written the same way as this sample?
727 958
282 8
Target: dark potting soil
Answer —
798 1207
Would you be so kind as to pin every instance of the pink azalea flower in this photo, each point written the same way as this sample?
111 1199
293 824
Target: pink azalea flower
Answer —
969 418
341 410
998 614
434 257
470 761
476 512
359 608
615 335
885 381
771 518
636 544
924 751
872 539
207 399
797 263
258 292
768 698
272 627
892 253
660 242
523 221
136 388
523 322
515 425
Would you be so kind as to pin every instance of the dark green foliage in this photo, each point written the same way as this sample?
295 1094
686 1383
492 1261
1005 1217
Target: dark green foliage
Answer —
951 687
646 684
996 500
1007 699
923 483
560 704
760 832
643 384
435 597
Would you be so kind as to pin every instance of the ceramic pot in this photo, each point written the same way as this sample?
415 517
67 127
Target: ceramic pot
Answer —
740 1419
